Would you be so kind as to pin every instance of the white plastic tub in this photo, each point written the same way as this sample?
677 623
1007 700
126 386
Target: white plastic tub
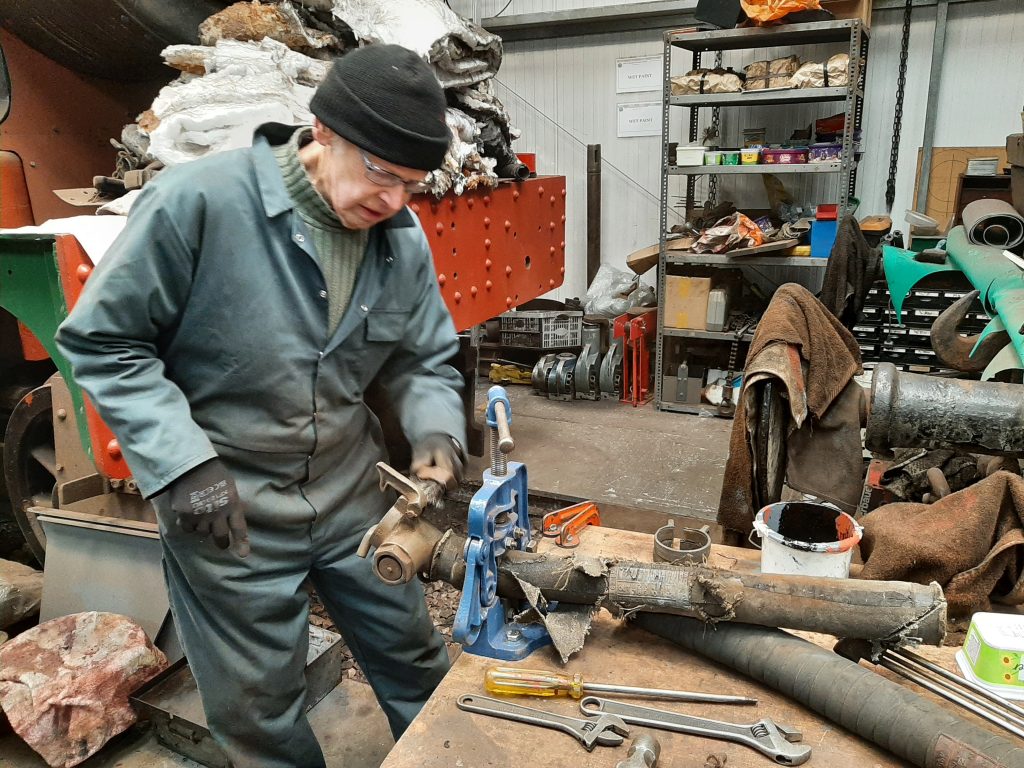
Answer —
689 155
806 539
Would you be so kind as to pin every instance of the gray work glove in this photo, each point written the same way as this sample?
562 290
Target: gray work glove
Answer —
206 502
438 457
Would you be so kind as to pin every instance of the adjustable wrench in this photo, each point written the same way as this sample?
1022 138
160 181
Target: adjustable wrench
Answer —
606 730
765 736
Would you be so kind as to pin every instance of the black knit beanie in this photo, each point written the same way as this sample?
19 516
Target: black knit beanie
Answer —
386 100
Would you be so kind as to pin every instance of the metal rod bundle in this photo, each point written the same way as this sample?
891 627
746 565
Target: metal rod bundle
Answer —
969 695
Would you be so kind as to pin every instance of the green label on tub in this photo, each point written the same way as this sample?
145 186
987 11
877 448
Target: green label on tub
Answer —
993 665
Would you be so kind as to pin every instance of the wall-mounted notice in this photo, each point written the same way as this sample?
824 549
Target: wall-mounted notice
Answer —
641 118
638 73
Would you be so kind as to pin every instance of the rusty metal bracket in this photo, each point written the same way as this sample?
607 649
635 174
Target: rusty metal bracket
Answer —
566 525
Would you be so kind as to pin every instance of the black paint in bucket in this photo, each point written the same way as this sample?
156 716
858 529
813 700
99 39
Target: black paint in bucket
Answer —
802 521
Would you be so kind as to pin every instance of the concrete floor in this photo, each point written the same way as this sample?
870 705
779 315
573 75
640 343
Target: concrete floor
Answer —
609 451
662 463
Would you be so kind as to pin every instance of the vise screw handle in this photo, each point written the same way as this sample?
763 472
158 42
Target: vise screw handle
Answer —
499 417
505 441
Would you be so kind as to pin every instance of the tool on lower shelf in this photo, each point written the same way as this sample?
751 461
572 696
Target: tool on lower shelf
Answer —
643 753
513 681
766 736
603 730
566 525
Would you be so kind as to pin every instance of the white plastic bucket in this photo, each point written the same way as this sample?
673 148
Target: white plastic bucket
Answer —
806 539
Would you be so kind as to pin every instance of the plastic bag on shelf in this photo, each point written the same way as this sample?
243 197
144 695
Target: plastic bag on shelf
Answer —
732 232
615 291
773 10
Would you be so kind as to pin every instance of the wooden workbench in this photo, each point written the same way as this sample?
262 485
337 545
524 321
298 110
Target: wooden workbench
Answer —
445 737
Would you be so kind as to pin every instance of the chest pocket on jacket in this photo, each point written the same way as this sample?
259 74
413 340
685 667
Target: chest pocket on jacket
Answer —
387 325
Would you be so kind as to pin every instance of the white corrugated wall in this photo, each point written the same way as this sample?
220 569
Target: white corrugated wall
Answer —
561 94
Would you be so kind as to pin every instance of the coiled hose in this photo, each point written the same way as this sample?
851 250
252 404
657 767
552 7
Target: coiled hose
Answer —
881 711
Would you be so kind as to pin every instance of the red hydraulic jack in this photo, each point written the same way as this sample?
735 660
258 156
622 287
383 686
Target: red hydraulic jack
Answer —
636 328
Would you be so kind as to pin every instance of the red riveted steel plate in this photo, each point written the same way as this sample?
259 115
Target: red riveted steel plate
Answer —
495 249
75 267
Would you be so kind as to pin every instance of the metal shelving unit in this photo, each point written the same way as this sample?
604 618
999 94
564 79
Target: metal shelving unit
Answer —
848 31
715 170
750 98
724 259
689 333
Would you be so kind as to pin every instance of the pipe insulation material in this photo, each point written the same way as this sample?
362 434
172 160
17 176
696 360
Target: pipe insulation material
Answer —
993 222
884 611
881 711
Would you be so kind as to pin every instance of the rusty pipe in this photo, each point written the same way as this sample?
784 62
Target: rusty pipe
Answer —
872 610
953 349
881 711
909 410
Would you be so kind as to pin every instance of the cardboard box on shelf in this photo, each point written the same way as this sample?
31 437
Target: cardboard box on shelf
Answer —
686 302
647 258
849 9
1015 149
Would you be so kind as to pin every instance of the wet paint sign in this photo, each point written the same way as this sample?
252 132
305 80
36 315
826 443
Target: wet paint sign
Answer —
641 118
638 73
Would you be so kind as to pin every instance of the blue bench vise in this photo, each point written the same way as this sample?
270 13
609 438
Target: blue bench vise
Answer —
499 521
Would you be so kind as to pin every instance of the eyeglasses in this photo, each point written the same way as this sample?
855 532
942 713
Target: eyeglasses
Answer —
386 178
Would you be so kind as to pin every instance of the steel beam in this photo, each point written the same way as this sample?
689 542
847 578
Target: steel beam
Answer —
931 111
626 17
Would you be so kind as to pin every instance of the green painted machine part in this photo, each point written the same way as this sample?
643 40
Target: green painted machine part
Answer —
999 281
31 290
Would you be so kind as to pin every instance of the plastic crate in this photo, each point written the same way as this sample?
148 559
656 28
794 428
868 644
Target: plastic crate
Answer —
542 329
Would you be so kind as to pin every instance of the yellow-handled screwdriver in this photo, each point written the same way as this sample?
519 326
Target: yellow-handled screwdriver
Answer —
511 681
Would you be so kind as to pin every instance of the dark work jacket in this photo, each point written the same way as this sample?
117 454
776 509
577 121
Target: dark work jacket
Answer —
203 332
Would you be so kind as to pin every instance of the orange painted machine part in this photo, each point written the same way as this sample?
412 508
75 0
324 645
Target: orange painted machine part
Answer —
61 123
31 348
15 207
16 211
495 249
75 266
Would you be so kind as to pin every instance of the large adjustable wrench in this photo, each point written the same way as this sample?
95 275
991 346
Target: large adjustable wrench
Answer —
765 736
606 730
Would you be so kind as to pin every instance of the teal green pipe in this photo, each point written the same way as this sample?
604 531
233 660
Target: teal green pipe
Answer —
999 281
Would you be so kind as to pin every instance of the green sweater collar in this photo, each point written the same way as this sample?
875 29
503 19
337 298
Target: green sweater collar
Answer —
309 203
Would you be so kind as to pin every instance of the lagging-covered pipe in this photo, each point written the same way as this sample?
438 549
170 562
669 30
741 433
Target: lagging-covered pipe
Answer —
496 145
881 711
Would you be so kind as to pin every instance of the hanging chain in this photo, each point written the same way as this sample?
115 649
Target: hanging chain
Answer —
713 178
901 85
715 130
